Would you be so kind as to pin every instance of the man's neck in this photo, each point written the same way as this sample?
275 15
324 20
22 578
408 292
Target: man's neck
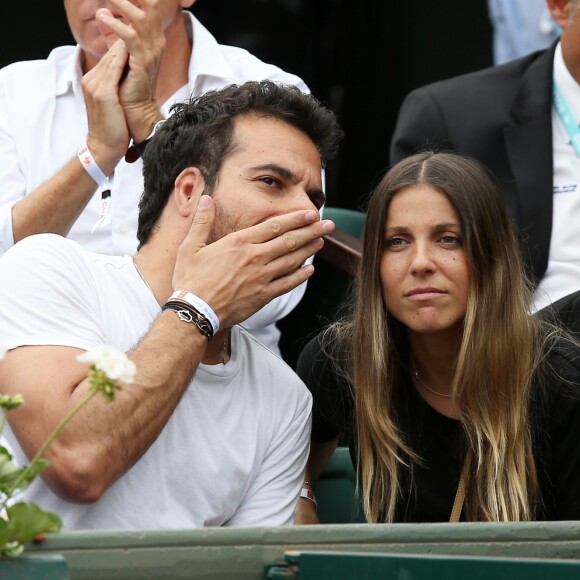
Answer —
155 263
157 271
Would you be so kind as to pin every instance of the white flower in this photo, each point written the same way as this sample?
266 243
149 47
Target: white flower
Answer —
111 361
2 352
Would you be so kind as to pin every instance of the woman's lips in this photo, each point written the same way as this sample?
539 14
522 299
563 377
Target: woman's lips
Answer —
423 294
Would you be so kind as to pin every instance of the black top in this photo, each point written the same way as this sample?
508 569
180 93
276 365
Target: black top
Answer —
440 440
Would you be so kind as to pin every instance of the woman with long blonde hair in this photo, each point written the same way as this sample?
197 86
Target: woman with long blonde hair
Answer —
456 403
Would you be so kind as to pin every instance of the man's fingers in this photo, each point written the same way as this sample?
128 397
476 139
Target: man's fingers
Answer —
292 261
276 226
202 223
103 16
139 24
290 281
300 243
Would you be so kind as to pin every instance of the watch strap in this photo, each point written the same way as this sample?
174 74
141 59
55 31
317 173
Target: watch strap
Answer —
136 150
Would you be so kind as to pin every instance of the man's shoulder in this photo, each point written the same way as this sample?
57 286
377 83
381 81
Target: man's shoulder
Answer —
280 377
504 77
232 64
50 255
45 244
29 69
250 67
27 85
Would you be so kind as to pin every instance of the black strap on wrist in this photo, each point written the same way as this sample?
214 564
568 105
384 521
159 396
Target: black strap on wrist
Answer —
136 150
188 313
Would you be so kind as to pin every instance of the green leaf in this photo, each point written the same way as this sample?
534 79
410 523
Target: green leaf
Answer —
25 522
5 452
9 471
33 470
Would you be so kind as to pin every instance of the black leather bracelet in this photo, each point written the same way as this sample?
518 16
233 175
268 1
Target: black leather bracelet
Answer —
188 313
136 150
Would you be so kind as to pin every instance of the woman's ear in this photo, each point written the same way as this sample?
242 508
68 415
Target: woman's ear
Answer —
189 186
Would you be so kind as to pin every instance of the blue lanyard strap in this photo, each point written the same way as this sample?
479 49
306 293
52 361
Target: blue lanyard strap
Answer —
565 114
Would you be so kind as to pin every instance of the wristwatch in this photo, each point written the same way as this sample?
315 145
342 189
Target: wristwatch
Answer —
135 150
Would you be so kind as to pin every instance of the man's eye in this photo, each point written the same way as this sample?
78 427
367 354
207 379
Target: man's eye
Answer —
269 180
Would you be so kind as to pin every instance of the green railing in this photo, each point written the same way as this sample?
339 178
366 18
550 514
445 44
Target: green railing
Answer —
246 553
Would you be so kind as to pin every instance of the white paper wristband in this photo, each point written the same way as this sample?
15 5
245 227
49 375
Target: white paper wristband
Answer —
200 305
90 165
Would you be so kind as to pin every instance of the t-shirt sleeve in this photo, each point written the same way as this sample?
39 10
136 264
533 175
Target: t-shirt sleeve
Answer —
272 496
332 409
48 296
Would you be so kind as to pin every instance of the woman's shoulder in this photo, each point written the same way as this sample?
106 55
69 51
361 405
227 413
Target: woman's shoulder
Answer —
562 364
324 358
557 386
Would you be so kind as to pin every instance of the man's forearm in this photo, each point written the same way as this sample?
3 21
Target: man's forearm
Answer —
54 206
106 439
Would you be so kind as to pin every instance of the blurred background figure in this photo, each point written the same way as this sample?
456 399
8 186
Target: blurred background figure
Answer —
520 27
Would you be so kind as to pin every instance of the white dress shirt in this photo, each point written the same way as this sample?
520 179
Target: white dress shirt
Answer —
563 274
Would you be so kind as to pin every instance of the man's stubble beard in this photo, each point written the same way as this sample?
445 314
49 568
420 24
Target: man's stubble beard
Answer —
223 223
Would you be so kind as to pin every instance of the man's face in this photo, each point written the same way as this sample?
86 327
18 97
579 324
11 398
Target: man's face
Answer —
81 20
274 169
566 13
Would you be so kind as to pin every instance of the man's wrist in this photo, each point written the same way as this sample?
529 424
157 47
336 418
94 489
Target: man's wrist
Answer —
187 313
137 148
307 494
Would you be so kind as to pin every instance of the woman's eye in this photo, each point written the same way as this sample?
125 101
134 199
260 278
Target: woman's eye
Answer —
395 242
451 240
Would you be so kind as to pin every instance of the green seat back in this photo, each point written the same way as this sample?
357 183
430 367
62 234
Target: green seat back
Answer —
347 220
338 500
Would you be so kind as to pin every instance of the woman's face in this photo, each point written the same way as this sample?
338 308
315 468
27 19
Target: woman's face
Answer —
423 268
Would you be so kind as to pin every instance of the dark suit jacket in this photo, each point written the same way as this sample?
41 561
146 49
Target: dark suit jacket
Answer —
502 117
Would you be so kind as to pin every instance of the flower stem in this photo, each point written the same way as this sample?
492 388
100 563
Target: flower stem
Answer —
50 439
3 422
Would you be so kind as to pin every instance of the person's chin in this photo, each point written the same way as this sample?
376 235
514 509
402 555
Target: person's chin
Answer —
428 322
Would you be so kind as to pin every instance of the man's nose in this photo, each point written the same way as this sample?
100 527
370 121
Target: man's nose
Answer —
302 200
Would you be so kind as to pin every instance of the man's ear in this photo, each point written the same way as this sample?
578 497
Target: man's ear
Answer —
560 10
188 188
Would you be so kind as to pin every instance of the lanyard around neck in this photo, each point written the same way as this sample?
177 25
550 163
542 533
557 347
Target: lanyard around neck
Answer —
565 114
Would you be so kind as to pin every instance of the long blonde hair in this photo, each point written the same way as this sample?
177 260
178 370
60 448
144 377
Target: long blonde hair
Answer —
498 358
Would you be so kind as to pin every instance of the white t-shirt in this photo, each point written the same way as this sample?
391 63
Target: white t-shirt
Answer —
235 448
562 276
43 124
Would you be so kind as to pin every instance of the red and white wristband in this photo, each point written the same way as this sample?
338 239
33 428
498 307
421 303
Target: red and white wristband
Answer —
199 305
91 167
308 494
